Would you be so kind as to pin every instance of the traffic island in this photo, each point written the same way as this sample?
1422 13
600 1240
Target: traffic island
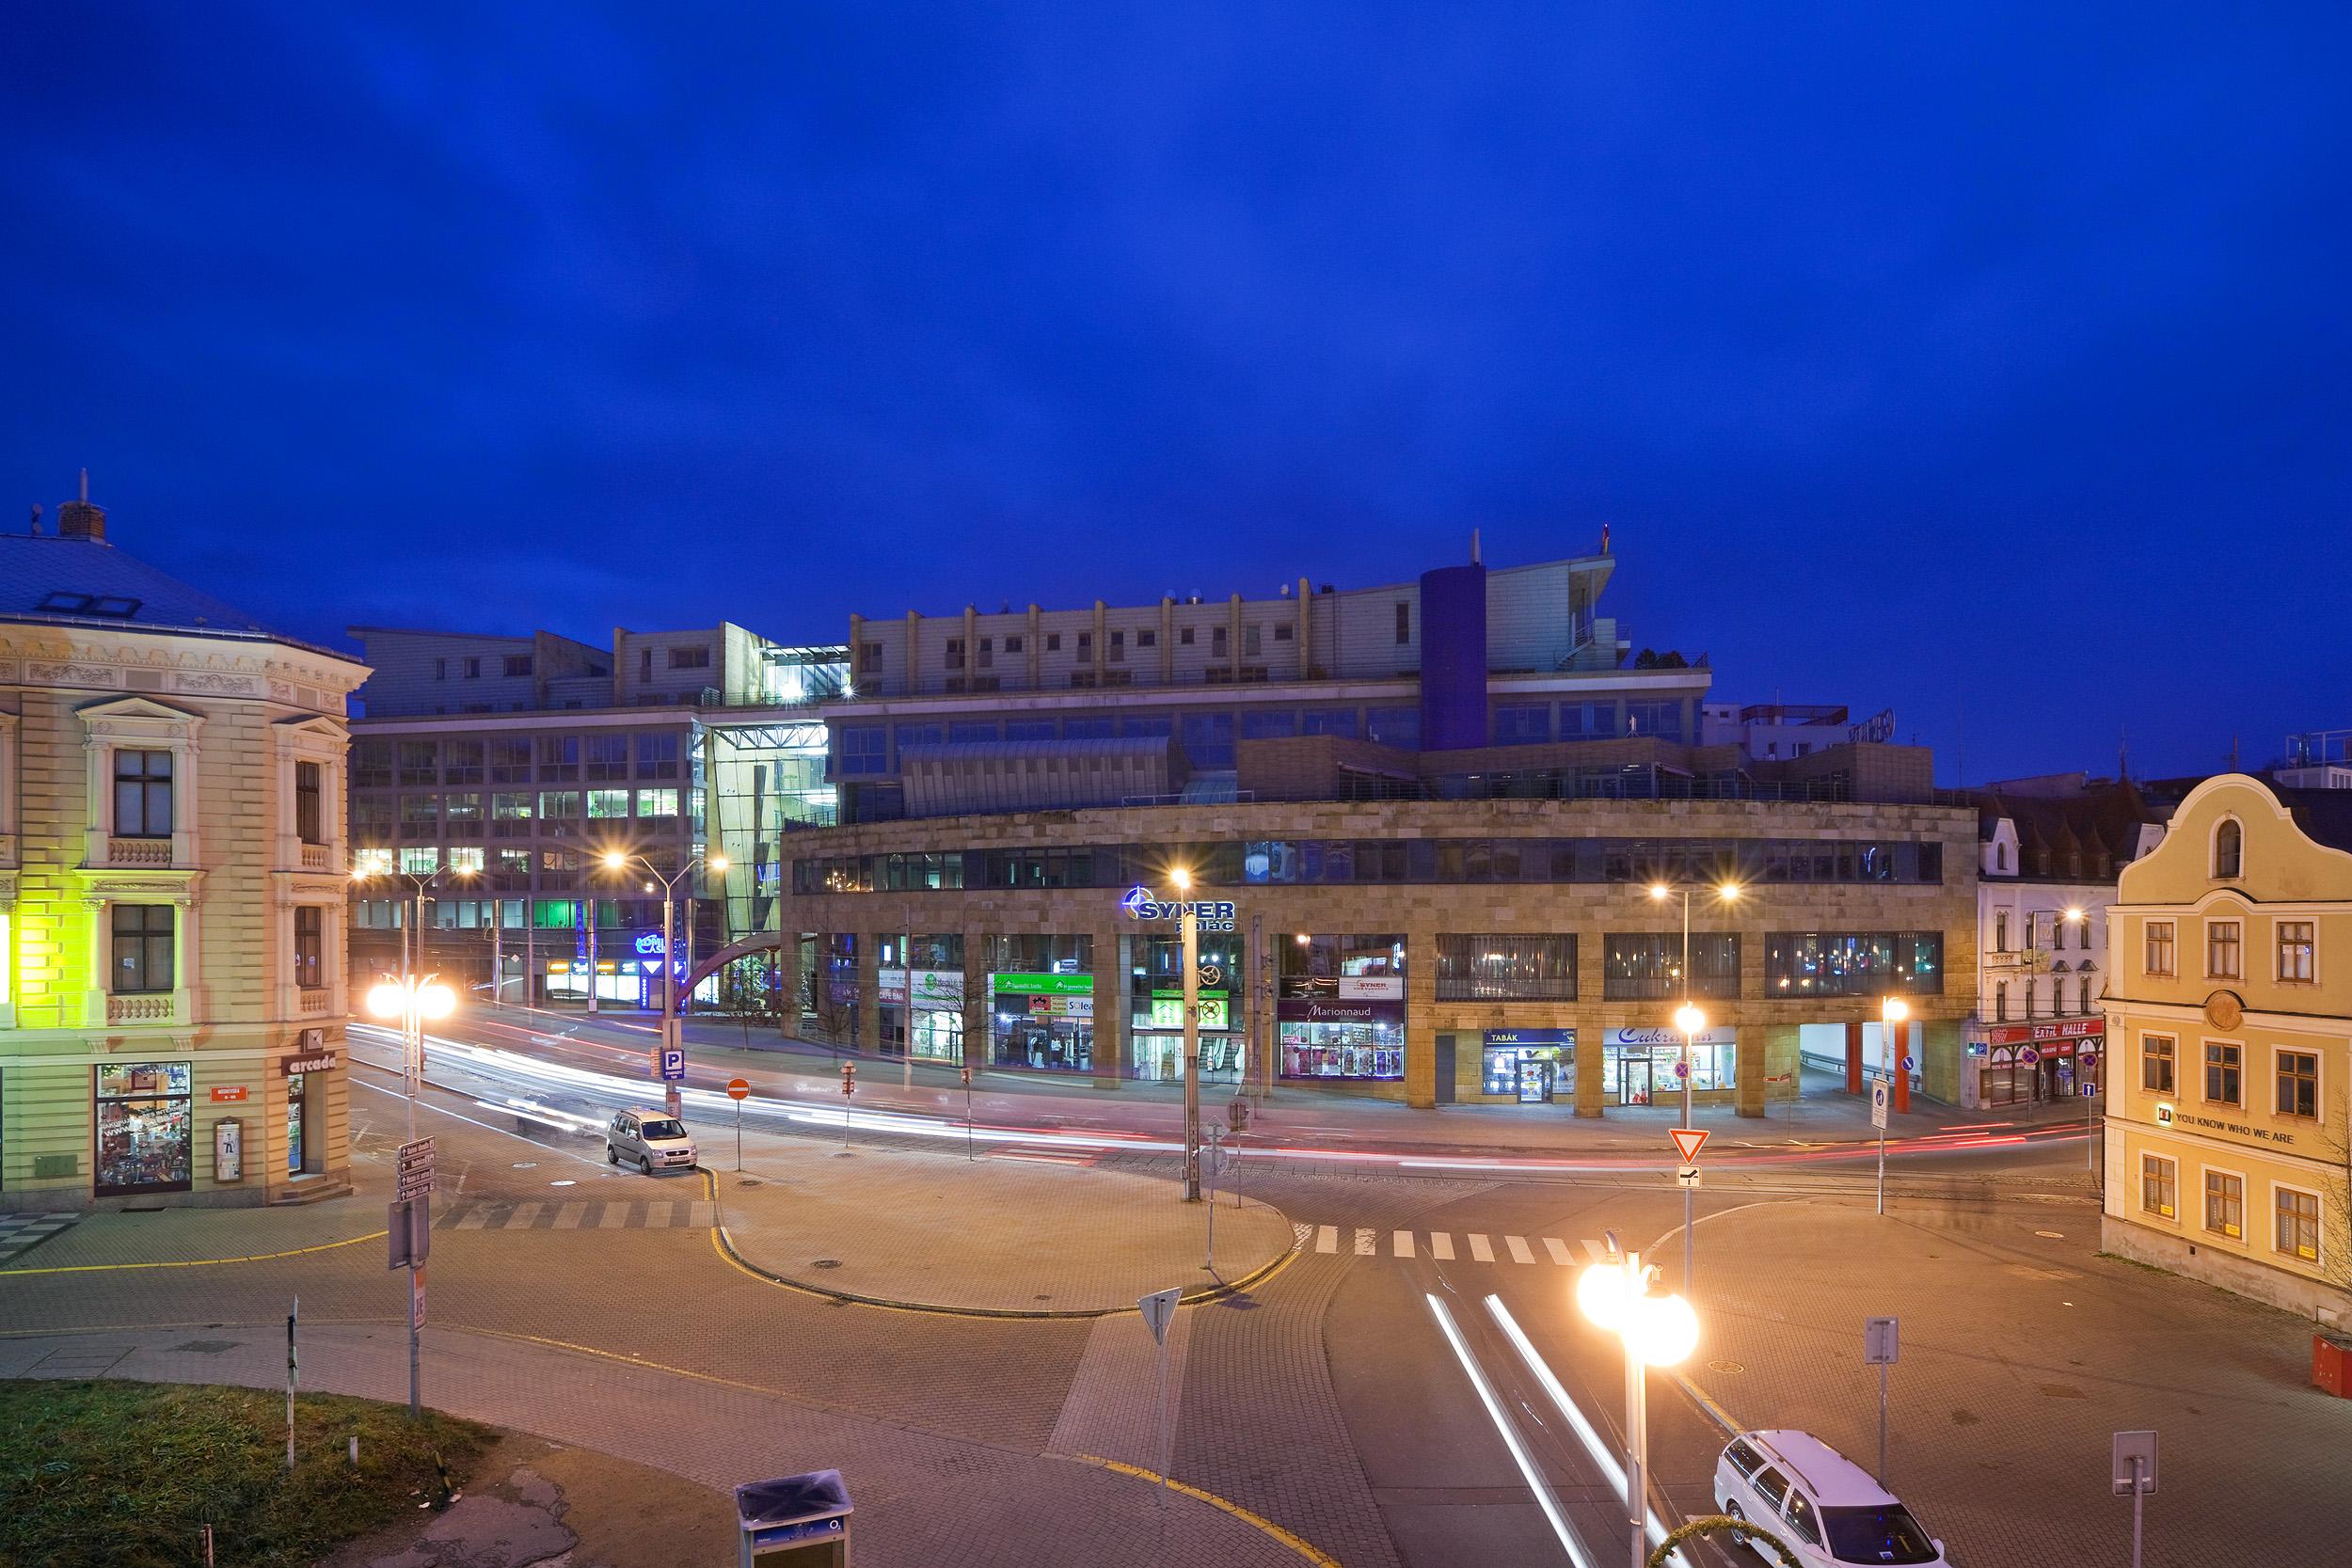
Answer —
996 1237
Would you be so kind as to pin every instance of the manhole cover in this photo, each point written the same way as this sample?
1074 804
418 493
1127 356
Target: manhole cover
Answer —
827 1262
526 1165
1041 1298
1726 1367
2052 1235
747 1181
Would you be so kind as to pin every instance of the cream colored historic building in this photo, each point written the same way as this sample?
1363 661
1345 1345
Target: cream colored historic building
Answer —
2230 1005
172 889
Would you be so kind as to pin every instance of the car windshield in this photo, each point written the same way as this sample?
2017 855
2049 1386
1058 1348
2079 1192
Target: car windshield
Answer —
664 1128
1879 1534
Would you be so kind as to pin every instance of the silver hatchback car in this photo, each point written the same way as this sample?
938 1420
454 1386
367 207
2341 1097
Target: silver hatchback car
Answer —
650 1140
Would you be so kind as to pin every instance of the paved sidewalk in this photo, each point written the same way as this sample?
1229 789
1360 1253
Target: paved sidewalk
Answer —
997 1234
922 1501
2023 1351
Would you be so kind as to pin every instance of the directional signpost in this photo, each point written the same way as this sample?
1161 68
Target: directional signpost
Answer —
739 1090
1688 1141
1159 1310
672 1074
849 1088
2134 1474
409 1223
2091 1144
1882 1346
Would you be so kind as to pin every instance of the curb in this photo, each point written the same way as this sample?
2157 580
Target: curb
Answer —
723 1245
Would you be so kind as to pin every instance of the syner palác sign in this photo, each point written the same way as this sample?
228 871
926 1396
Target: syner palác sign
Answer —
1141 903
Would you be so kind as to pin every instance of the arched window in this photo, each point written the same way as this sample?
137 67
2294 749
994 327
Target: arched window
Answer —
2229 848
2000 857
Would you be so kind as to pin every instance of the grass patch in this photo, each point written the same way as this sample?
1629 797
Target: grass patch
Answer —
125 1473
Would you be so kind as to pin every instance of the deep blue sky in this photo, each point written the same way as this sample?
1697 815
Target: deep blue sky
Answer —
1987 362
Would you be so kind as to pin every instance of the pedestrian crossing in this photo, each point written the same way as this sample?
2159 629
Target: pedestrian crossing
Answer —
1445 1246
655 1214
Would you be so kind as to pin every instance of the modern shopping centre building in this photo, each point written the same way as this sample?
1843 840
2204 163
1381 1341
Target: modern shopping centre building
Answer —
1441 812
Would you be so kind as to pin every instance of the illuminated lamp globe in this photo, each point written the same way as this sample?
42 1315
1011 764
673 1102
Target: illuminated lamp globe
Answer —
1600 1295
1895 1009
1665 1330
1659 891
614 860
437 1002
1689 1020
715 865
384 999
1180 879
1729 892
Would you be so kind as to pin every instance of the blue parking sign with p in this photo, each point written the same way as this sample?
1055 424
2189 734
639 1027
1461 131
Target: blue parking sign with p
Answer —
673 1065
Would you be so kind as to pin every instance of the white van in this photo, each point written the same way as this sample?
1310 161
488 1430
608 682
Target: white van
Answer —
650 1140
1823 1505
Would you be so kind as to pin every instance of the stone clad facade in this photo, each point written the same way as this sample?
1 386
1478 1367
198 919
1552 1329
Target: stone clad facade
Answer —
173 874
1438 1030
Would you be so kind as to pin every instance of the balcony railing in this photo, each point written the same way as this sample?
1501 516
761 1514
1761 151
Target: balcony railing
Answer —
138 851
139 1009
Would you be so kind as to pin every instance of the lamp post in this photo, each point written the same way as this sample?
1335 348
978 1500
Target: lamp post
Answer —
420 881
1692 1022
1658 1331
2075 916
411 1002
618 859
1190 921
1891 1015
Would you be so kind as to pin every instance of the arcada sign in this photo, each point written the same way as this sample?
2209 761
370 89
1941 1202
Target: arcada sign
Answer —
1211 914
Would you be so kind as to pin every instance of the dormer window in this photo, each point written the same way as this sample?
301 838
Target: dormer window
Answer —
142 794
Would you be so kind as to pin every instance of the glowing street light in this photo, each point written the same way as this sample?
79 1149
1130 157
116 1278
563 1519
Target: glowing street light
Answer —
410 1001
1657 1331
618 859
1692 1023
1891 1015
1180 877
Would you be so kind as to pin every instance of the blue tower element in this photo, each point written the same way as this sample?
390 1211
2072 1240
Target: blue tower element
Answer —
1453 657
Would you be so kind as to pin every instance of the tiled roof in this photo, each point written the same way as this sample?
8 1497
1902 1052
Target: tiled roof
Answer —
88 582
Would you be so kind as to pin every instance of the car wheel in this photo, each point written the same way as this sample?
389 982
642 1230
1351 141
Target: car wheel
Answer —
612 1155
1746 1540
645 1164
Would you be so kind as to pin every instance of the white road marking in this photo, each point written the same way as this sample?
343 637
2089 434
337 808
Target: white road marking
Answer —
1404 1243
1481 1250
1519 1249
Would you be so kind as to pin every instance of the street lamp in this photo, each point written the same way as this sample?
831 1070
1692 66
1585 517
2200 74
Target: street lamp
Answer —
618 859
1692 1022
1891 1015
1180 879
411 1002
2082 1080
1658 1331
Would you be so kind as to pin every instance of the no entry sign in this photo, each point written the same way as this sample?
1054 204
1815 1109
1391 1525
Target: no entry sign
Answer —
739 1088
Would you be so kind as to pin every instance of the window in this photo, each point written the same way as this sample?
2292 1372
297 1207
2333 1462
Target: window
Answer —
2000 857
1815 963
2222 943
1403 623
2296 1229
142 794
2155 1063
2000 1001
605 805
371 764
2159 951
657 802
1052 641
143 1127
309 946
2000 930
2156 1185
1506 969
864 748
689 659
1012 644
461 762
1744 1457
1804 1523
2296 941
1117 654
142 944
1771 1486
510 762
1648 966
1523 724
953 656
2222 1061
608 756
1183 636
870 659
657 756
420 762
2225 1203
2298 1083
440 669
473 667
559 758
310 804
2229 848
1145 639
518 664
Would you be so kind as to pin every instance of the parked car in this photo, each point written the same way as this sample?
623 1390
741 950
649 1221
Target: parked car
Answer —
1822 1504
650 1140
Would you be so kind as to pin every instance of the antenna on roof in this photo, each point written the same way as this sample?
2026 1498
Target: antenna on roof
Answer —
1473 546
36 523
86 486
2123 753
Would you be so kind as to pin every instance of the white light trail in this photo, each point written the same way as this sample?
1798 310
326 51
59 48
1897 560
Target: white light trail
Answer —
1510 1436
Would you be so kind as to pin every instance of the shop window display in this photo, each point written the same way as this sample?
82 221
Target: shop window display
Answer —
143 1128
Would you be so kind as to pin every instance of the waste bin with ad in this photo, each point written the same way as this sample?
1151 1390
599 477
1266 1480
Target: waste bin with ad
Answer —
2331 1365
794 1522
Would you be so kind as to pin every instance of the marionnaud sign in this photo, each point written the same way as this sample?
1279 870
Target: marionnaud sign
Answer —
1141 903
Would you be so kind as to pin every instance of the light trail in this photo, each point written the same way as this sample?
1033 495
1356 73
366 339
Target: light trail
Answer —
1487 1397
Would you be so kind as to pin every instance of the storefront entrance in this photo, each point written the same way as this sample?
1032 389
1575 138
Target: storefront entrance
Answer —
1626 1077
1160 1058
1534 1082
1534 1067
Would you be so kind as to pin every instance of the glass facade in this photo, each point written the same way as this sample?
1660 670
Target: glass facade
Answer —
1506 968
1861 963
1646 966
1339 1006
143 1128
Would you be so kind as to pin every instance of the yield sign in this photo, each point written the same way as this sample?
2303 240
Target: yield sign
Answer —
1688 1141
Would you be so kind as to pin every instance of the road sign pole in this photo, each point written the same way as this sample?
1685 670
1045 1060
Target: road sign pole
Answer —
1192 1051
1882 1345
2136 1507
739 1137
1881 1426
294 1313
1214 1130
968 1155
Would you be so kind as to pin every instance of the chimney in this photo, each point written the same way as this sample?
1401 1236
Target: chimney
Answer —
79 519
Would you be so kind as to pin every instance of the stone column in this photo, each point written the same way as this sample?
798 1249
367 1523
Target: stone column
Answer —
976 1019
1762 1048
1591 983
1421 1018
789 981
866 1032
1104 961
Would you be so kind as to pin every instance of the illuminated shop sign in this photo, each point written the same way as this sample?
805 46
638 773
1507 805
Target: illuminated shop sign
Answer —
650 943
1212 914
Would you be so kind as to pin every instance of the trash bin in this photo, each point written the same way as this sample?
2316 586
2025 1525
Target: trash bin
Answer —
1238 1114
794 1521
2331 1365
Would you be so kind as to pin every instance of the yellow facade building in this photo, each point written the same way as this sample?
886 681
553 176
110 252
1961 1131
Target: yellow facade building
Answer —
2230 1009
172 889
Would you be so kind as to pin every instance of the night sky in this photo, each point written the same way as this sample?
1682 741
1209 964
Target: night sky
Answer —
1985 362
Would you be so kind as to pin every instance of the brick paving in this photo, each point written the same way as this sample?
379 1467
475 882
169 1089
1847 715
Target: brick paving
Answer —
920 1498
2021 1354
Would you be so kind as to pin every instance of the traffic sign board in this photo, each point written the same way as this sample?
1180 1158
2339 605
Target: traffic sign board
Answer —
673 1065
1909 1064
1688 1141
2091 1059
416 1299
2029 1055
2135 1468
1687 1176
739 1088
412 1171
1878 1104
1159 1310
1881 1341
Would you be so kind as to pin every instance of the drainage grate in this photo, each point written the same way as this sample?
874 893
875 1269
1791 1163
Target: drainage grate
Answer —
1726 1367
827 1263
